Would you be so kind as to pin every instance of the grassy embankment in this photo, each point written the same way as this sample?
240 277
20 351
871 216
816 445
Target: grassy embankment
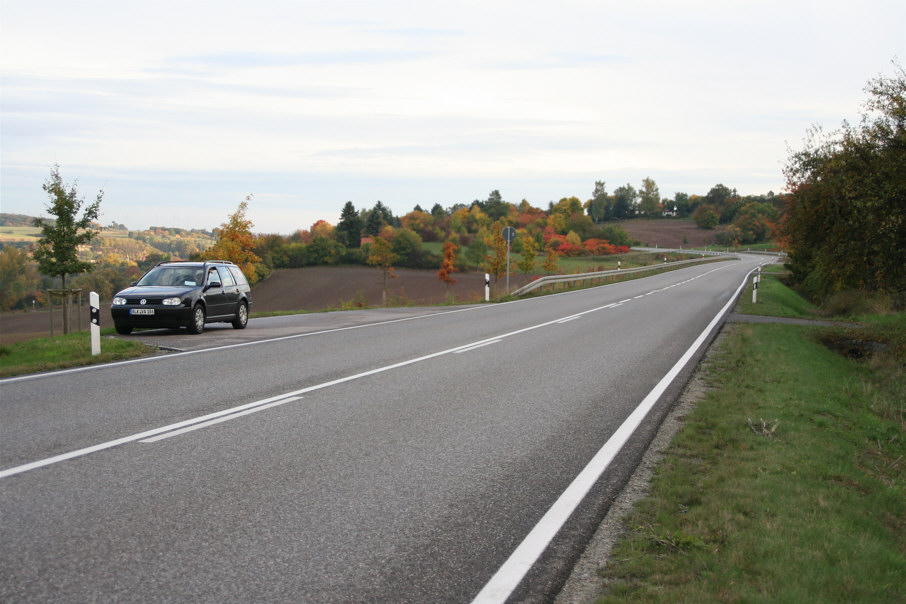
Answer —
63 352
786 482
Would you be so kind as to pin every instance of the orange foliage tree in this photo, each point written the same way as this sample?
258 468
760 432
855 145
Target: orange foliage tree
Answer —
235 243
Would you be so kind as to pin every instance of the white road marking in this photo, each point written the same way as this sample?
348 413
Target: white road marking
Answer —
149 434
225 418
508 577
471 348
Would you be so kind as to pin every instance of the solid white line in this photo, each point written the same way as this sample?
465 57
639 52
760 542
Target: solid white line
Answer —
508 577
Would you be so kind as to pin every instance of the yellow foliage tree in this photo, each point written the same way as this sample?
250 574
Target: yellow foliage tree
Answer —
235 241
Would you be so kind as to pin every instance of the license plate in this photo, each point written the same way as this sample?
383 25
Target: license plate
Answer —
141 311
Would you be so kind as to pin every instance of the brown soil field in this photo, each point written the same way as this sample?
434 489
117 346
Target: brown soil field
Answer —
667 232
310 289
322 287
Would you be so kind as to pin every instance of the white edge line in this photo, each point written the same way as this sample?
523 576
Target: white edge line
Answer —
508 577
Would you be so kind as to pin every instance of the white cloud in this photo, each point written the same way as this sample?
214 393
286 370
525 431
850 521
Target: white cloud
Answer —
183 108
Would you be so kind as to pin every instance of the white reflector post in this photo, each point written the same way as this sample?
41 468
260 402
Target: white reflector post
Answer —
94 304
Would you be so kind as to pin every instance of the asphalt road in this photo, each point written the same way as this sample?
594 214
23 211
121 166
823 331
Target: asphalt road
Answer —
372 456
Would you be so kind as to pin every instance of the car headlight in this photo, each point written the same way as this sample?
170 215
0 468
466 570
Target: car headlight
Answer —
172 301
119 301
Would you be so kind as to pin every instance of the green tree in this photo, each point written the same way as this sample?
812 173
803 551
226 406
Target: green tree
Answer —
649 198
844 221
624 201
599 206
349 228
57 251
706 217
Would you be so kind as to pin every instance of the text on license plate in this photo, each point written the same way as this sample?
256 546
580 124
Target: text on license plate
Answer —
141 311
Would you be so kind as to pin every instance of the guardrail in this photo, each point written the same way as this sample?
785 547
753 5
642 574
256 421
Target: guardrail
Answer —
554 280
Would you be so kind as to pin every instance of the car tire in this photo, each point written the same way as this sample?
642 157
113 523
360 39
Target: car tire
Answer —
242 316
198 317
123 330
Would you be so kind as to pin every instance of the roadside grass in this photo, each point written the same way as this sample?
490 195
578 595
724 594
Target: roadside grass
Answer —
775 300
63 352
786 482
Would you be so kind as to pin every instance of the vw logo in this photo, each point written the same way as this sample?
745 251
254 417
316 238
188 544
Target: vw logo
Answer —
143 301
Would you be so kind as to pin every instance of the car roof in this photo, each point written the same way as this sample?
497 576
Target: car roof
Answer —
194 263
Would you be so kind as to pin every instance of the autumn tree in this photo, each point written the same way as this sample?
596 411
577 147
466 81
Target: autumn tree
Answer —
527 263
20 281
448 266
550 259
235 242
495 259
380 254
57 251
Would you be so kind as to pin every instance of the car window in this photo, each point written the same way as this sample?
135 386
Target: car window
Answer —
169 276
213 275
225 277
240 278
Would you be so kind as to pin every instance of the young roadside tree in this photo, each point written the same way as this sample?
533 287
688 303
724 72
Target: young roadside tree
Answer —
380 254
495 259
57 251
235 243
448 266
551 259
527 264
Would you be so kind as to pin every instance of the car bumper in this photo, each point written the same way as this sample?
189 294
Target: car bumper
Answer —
164 316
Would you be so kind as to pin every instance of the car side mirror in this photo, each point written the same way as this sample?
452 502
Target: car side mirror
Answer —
213 284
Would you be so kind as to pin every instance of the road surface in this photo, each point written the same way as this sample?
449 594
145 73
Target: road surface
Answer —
407 455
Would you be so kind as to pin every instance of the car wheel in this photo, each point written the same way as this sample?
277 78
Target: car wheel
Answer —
198 316
123 330
242 316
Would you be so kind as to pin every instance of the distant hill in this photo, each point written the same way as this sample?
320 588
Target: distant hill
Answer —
17 220
18 230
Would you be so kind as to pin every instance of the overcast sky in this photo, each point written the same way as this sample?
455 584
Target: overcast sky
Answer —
178 110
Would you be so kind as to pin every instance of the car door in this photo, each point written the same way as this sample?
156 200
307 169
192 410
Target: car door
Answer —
214 296
230 291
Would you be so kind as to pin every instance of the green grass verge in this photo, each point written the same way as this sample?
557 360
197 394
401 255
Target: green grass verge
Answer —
63 352
787 481
775 300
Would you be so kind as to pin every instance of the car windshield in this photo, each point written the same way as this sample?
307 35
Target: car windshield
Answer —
172 276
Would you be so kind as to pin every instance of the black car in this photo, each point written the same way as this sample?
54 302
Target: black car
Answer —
184 294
